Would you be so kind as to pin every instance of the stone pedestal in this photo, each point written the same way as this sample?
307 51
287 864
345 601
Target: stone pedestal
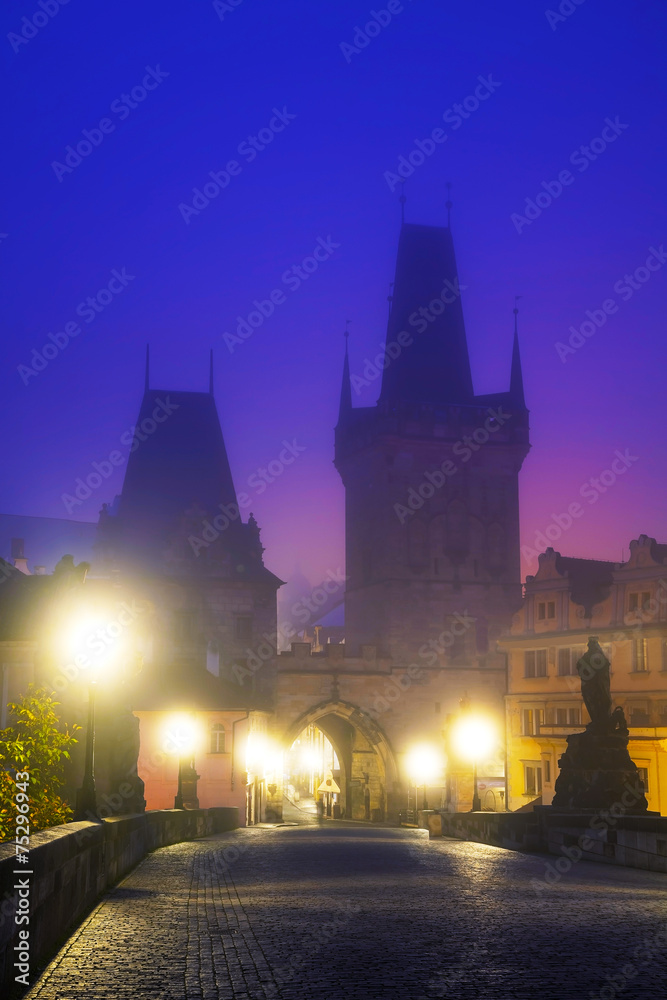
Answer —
596 772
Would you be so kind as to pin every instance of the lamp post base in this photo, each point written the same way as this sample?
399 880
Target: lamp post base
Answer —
86 802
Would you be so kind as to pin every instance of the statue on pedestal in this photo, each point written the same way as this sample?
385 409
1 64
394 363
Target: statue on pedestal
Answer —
596 771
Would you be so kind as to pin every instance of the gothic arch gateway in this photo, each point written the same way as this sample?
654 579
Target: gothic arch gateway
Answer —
368 772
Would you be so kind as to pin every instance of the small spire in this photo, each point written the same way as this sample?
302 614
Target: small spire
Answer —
448 205
516 376
148 361
346 388
402 200
210 373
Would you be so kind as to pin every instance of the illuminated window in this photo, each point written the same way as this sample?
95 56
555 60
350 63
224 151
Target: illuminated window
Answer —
531 720
217 738
639 655
535 663
639 715
643 774
532 779
639 601
566 663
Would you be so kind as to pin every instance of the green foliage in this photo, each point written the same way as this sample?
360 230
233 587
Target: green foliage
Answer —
36 744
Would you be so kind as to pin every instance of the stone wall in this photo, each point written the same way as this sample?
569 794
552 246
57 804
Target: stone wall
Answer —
70 865
631 841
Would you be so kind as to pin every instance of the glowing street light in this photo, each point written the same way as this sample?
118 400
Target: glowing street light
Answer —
423 765
182 737
89 648
474 738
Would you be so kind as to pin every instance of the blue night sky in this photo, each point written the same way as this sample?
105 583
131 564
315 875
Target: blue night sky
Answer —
217 78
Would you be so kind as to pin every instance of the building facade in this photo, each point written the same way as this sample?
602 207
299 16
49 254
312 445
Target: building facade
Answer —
568 600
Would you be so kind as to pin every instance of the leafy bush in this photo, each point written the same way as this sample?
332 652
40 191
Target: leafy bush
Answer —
36 744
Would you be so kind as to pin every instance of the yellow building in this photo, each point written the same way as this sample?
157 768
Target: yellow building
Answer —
567 601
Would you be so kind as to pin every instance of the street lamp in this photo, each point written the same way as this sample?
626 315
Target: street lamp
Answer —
90 646
474 738
181 738
423 766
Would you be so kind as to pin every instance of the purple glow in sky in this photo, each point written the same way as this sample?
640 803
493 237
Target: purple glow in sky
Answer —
554 143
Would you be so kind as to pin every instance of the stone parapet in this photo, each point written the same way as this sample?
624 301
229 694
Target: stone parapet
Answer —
69 867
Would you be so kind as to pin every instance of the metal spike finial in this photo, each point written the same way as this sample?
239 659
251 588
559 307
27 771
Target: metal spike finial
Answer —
448 205
516 310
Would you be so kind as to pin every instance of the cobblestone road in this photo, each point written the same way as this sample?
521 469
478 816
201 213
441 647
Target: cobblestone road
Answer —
349 911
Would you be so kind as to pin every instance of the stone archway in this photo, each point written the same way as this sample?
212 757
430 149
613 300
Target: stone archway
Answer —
368 772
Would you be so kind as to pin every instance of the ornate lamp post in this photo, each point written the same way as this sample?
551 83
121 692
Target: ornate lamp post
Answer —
86 796
423 766
180 739
474 738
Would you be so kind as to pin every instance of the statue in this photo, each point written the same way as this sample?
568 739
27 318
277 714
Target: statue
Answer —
593 668
596 770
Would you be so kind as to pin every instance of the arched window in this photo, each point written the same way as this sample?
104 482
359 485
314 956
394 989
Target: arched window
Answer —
217 738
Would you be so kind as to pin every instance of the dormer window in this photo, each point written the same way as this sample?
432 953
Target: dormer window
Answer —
546 610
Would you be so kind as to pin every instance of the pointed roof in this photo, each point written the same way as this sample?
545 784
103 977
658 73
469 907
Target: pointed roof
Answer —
516 377
179 459
435 368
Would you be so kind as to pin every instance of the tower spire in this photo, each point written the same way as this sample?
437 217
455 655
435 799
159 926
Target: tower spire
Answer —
210 373
402 200
148 361
346 388
516 377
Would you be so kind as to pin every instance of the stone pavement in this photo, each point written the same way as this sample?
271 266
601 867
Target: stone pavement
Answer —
351 911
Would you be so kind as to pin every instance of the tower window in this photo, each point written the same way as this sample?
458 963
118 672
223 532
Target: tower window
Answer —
243 628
